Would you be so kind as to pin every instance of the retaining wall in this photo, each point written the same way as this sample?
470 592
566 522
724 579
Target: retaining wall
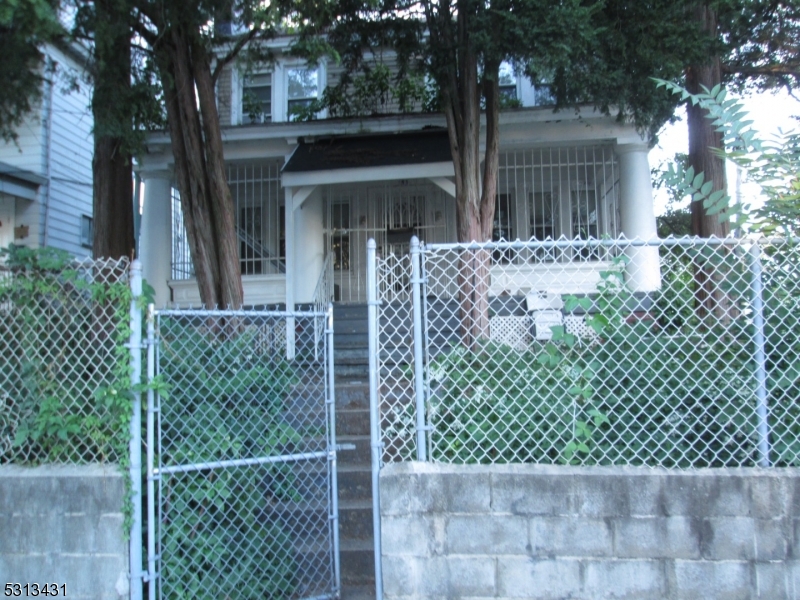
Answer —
64 525
547 532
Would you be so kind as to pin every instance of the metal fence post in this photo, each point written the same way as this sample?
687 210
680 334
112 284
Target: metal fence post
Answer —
331 400
135 448
151 495
376 447
419 390
760 355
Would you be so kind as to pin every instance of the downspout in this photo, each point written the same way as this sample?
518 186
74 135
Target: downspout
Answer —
48 149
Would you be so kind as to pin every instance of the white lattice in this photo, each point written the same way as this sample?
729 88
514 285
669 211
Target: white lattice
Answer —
577 326
511 331
543 320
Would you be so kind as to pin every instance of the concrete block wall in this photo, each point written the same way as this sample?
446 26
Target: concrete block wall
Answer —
551 532
64 525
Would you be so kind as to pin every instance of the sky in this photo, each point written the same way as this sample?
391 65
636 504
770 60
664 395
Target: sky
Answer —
769 112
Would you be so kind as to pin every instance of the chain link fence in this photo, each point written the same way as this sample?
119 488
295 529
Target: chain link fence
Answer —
64 378
675 353
245 460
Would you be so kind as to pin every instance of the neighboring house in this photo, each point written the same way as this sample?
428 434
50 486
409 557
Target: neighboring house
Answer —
307 192
46 176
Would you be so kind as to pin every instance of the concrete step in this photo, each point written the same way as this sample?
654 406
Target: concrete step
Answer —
351 371
355 520
352 421
358 592
358 562
351 394
360 456
355 483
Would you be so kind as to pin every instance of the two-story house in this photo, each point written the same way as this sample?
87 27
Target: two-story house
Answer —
46 175
310 194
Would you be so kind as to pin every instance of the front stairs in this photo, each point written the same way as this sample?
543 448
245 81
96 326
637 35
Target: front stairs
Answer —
353 466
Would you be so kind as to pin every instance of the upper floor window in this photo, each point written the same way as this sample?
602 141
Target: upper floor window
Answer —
508 81
257 98
302 88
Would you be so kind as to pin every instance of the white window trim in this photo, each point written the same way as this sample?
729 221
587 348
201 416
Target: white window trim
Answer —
282 101
237 94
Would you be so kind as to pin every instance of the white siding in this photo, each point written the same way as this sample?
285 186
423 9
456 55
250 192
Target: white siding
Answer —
28 151
70 162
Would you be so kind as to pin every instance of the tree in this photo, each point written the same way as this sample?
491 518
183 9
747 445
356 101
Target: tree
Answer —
751 44
184 39
599 53
25 26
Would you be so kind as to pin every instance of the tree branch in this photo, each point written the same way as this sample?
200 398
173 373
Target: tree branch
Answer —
233 53
790 69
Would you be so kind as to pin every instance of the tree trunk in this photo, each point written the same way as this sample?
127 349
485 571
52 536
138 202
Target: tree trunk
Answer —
712 304
702 136
112 196
200 168
475 199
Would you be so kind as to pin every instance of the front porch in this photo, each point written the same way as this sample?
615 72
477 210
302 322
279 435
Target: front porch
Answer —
303 226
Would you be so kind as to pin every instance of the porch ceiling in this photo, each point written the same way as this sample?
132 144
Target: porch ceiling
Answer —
343 159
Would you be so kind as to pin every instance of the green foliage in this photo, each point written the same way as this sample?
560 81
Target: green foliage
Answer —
25 26
66 371
772 164
672 392
220 527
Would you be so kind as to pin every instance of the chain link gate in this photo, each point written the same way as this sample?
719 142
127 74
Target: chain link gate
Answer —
242 491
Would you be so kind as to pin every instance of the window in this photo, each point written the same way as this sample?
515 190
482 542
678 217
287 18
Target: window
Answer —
340 236
257 98
182 266
543 95
87 231
507 81
302 88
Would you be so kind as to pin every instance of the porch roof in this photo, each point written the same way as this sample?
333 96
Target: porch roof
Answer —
375 157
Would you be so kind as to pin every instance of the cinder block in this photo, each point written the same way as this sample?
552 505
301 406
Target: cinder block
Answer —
646 495
770 496
624 579
436 490
533 494
399 575
79 533
732 538
412 535
519 577
603 495
706 494
771 581
457 576
570 536
773 539
729 580
655 537
26 532
486 534
110 535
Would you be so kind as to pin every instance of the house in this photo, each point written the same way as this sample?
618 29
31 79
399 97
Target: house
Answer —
310 194
46 176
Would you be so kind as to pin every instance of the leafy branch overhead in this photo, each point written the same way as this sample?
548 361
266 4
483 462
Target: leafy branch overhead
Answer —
772 164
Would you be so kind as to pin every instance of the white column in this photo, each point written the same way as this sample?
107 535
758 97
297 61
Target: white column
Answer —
290 270
155 234
310 251
637 216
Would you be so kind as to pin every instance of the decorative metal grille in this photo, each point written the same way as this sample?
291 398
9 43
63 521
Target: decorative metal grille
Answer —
673 353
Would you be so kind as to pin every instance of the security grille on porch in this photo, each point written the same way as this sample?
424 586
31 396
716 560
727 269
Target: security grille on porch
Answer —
551 192
256 192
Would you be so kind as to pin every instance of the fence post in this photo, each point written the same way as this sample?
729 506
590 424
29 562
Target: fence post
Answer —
330 385
151 416
135 345
760 356
376 447
419 390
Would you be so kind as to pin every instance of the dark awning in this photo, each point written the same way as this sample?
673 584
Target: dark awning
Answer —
376 150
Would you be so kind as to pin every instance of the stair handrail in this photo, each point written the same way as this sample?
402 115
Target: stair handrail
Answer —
264 253
323 295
